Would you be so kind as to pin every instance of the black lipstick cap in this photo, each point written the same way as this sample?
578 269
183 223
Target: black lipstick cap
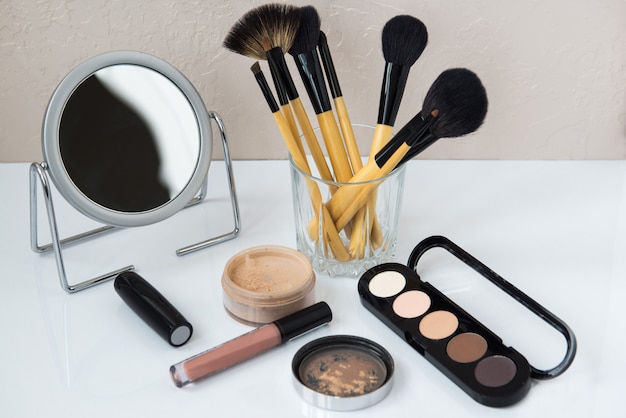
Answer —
304 320
153 308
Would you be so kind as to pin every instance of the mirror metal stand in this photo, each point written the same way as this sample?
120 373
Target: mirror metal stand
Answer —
39 174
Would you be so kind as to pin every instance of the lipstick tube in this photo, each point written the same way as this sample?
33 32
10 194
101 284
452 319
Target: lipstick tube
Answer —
250 344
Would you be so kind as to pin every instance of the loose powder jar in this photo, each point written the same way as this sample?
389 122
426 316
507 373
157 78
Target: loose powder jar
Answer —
262 284
342 372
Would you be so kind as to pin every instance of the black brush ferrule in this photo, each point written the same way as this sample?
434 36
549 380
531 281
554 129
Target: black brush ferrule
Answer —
394 82
310 69
416 134
267 92
329 68
425 141
280 90
280 71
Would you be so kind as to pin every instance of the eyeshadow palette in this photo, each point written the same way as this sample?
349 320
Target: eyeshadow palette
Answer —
462 348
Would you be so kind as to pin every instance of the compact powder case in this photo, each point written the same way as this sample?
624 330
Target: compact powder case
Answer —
262 284
342 372
462 348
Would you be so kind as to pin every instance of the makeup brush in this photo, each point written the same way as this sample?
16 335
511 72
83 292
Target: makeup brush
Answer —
358 237
278 22
265 33
304 53
455 105
403 41
340 105
330 234
404 38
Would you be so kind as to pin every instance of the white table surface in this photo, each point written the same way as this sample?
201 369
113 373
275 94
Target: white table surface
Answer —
557 230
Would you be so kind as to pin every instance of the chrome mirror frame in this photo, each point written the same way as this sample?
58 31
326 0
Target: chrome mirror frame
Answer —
52 168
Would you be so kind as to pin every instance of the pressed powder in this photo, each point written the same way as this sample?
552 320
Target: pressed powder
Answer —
342 372
262 284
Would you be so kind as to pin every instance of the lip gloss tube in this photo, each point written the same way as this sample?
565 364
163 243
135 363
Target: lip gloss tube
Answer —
250 344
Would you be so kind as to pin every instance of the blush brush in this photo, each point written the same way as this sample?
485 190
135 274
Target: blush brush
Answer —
455 105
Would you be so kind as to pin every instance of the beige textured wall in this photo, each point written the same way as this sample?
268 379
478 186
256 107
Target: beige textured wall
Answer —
555 70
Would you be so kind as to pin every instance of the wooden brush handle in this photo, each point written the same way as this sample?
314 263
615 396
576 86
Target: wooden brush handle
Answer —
347 200
330 233
291 123
334 146
382 135
348 134
311 140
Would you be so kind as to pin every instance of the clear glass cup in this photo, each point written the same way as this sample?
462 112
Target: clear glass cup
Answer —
368 237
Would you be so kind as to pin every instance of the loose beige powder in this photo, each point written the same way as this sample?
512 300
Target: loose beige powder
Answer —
268 272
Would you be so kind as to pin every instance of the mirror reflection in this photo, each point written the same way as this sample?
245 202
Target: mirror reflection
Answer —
129 138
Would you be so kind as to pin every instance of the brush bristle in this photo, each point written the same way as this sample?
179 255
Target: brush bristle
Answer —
308 33
403 40
255 68
275 22
461 101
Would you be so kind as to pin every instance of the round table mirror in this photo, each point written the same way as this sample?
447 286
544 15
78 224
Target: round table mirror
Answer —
127 139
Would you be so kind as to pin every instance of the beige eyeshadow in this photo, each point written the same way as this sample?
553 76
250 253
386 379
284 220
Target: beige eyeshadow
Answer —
466 347
438 325
411 304
387 283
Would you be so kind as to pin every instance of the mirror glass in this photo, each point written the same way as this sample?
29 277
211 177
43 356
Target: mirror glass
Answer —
127 139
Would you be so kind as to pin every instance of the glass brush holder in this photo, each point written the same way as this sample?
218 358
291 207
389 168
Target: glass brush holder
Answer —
348 246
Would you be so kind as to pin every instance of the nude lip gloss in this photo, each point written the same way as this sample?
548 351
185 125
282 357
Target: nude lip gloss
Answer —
250 344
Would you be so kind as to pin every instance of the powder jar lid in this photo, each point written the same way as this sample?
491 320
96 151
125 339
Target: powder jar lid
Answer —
264 283
342 372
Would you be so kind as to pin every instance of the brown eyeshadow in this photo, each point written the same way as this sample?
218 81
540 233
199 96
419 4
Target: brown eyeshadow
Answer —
342 371
466 347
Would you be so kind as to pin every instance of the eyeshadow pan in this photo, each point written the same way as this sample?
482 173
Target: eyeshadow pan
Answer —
438 325
495 371
387 283
411 304
466 347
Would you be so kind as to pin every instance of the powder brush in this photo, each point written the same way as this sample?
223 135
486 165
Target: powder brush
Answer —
404 38
455 105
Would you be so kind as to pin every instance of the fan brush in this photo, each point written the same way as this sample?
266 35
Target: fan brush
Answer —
266 33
